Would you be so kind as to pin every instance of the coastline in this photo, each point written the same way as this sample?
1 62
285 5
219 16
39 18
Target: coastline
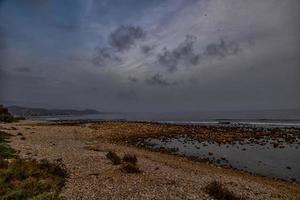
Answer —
52 140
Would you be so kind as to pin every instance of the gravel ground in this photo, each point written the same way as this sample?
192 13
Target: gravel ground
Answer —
92 176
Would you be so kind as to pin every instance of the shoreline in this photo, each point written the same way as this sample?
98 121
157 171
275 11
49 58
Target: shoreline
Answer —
231 122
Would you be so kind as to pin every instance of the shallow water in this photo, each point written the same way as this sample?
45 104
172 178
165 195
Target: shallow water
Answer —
283 163
263 118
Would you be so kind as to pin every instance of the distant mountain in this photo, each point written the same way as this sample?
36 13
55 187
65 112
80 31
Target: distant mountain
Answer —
24 112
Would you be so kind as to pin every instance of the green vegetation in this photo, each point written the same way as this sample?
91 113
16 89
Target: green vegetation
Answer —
5 116
5 150
219 192
27 179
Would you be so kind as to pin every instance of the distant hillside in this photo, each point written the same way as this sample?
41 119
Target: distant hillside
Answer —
23 111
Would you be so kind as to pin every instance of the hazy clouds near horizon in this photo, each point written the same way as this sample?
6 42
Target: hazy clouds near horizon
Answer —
160 55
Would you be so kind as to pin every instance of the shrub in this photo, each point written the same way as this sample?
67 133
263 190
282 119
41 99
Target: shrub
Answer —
130 168
5 116
113 157
217 191
3 110
130 158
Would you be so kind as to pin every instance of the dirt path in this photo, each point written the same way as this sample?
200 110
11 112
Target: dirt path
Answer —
92 176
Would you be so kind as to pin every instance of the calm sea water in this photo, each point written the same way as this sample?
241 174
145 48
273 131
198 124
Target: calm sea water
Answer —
273 118
283 163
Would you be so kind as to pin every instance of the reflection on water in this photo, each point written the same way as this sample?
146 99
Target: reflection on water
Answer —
260 159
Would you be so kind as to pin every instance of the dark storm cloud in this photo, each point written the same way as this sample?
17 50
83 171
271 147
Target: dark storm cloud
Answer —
146 49
222 49
158 80
105 56
133 79
125 36
23 69
184 54
120 40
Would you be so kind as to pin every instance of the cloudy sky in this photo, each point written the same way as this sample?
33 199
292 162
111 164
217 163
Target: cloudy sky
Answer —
150 55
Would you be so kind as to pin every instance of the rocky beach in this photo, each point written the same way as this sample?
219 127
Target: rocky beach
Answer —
83 148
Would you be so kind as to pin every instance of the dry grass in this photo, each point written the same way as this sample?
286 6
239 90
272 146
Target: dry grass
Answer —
129 158
130 168
129 162
219 192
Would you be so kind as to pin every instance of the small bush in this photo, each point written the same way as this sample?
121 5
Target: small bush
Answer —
19 118
130 158
5 116
130 168
113 157
217 191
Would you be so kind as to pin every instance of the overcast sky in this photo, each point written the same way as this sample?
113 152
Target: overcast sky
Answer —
150 55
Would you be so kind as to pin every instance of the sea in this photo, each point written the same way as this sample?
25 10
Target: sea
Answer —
261 118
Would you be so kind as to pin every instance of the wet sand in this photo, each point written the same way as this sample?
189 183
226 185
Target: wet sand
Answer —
82 148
